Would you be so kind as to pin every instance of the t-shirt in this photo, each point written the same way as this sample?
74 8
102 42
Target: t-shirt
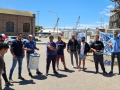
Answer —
61 45
51 52
97 45
30 45
1 68
17 47
115 44
82 48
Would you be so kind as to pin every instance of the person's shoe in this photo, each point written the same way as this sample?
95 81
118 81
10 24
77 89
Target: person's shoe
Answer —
105 73
119 73
96 72
20 77
8 84
38 72
46 74
58 69
111 72
72 66
10 80
55 72
66 69
30 74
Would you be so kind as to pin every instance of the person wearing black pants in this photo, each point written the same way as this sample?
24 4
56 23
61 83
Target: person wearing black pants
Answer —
114 43
7 83
51 55
97 47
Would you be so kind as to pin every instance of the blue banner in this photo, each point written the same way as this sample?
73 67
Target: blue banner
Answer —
105 37
80 35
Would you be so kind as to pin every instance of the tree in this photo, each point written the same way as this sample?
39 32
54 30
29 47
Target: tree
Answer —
39 28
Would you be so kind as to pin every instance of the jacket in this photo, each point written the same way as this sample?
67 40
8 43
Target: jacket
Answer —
72 46
87 47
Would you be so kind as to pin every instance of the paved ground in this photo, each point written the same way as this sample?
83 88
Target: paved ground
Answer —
66 80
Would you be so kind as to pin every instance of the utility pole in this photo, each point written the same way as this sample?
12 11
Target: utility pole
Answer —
38 19
101 22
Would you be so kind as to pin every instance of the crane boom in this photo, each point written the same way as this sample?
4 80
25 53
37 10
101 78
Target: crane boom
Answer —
77 22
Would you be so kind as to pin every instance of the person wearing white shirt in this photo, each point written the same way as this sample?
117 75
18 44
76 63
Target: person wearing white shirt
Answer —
83 48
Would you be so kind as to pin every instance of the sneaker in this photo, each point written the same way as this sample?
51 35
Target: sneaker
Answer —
46 74
105 73
38 72
55 72
20 77
8 84
111 72
10 80
96 72
72 66
66 69
30 74
58 69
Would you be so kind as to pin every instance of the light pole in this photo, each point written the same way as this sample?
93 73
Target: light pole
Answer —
38 19
57 20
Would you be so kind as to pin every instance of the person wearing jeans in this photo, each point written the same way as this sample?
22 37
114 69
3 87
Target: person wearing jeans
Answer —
71 48
30 45
115 47
17 51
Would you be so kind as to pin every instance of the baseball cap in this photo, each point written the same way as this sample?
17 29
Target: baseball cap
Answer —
60 36
4 36
30 36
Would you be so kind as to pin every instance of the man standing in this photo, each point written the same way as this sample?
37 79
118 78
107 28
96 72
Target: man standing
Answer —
60 52
17 51
3 49
30 45
51 54
83 48
71 47
7 83
97 47
115 46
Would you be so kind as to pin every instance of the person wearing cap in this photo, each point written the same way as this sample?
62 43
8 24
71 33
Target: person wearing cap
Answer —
51 55
7 83
17 51
30 45
60 52
72 48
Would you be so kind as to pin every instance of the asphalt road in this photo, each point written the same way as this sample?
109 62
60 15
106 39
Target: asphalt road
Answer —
65 80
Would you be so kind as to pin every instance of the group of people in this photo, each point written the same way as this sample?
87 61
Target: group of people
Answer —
55 51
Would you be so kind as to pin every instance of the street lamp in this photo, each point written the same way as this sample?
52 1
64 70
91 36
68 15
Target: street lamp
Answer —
57 19
38 20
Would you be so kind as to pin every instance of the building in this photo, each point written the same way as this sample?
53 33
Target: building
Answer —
114 23
13 22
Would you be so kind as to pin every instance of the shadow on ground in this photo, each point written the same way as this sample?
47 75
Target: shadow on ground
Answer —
25 82
105 75
8 88
69 71
58 75
39 77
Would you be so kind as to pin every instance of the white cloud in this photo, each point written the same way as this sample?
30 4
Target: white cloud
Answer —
110 7
107 9
103 12
108 14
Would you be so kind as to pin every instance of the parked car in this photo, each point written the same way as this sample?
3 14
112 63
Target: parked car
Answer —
11 38
43 35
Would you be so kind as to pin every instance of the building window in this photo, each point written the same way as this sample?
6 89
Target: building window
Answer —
9 27
26 27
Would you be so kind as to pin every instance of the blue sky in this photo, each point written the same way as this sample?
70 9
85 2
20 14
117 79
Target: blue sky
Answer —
68 11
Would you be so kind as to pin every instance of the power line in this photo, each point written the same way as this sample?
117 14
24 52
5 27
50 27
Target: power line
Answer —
99 11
